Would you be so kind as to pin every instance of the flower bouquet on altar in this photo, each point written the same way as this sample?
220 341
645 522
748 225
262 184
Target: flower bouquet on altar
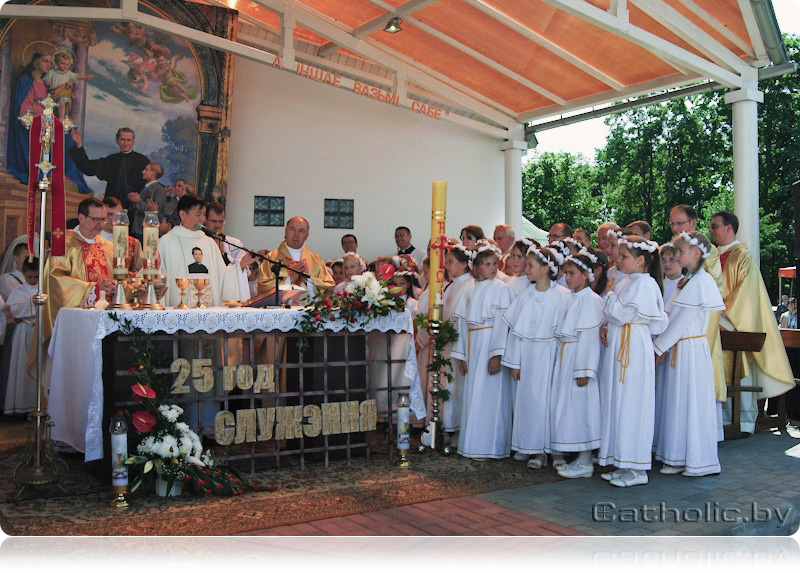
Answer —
364 298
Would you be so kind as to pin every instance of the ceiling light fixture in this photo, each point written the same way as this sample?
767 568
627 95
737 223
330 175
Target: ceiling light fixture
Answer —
393 25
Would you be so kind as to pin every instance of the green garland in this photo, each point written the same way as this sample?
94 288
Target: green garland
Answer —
447 334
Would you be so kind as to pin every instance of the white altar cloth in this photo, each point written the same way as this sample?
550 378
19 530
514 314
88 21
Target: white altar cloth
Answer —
75 401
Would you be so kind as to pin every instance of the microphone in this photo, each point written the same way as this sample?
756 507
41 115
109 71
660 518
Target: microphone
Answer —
209 232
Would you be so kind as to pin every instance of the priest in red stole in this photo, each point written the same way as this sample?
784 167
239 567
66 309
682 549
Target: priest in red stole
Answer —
76 279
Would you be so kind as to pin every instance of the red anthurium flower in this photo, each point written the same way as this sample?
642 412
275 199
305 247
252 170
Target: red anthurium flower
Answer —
144 391
386 272
143 422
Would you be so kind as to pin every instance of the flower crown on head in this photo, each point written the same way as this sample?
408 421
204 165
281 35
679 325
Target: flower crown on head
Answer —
695 243
643 245
562 249
670 245
581 264
542 257
592 257
484 245
526 241
614 233
358 257
573 241
469 253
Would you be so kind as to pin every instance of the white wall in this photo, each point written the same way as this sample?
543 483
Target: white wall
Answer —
307 141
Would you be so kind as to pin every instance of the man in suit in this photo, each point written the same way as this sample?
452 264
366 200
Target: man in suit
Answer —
151 198
122 171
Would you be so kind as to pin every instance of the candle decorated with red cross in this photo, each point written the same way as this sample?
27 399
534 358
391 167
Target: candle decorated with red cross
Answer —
438 249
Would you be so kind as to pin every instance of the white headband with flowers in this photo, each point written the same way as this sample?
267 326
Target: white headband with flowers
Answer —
643 245
573 241
526 241
695 243
581 264
562 249
358 257
614 233
484 245
588 255
469 253
542 257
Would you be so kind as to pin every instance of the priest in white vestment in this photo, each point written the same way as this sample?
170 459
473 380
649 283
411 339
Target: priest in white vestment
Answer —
234 256
183 252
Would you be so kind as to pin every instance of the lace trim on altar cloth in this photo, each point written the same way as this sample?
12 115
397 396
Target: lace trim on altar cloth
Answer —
246 320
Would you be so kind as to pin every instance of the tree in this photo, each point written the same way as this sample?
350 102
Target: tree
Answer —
179 156
679 151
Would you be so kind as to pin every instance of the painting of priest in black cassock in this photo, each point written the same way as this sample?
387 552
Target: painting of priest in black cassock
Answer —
197 266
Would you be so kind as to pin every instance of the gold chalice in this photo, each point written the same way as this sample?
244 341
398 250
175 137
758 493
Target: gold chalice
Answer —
200 285
183 284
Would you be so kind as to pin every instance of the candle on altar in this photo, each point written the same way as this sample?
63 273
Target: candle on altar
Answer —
150 242
437 251
120 237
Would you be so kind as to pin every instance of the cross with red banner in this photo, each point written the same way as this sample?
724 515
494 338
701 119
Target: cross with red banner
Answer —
46 155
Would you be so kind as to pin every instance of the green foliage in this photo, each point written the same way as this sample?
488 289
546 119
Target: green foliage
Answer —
179 155
673 152
447 334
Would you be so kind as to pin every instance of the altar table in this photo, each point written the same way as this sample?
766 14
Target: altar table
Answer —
75 372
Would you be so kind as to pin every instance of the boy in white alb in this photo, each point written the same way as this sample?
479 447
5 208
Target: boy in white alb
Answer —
21 389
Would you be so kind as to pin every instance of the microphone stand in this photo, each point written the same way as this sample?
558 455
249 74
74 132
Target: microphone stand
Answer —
275 266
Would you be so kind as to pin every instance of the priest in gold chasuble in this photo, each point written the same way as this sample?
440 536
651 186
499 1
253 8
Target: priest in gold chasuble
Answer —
293 252
748 309
76 279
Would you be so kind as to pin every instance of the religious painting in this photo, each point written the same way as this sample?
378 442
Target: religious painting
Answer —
173 94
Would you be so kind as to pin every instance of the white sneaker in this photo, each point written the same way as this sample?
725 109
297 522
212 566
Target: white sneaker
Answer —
608 476
520 457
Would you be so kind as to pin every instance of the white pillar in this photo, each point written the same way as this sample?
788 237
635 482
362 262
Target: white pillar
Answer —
745 161
513 148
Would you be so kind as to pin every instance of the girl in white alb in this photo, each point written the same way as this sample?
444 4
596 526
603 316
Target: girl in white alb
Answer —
575 399
458 263
673 272
561 250
672 275
634 311
516 263
530 353
486 389
352 265
687 436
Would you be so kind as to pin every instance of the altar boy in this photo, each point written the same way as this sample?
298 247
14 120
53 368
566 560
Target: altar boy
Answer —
21 388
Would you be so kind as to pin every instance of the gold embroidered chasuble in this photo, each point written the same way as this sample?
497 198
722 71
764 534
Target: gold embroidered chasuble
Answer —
748 307
320 275
713 267
72 277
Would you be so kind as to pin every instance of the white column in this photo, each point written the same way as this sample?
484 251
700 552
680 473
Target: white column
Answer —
513 148
745 161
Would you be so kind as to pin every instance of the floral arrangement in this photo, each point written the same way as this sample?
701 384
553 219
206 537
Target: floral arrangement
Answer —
169 448
364 298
